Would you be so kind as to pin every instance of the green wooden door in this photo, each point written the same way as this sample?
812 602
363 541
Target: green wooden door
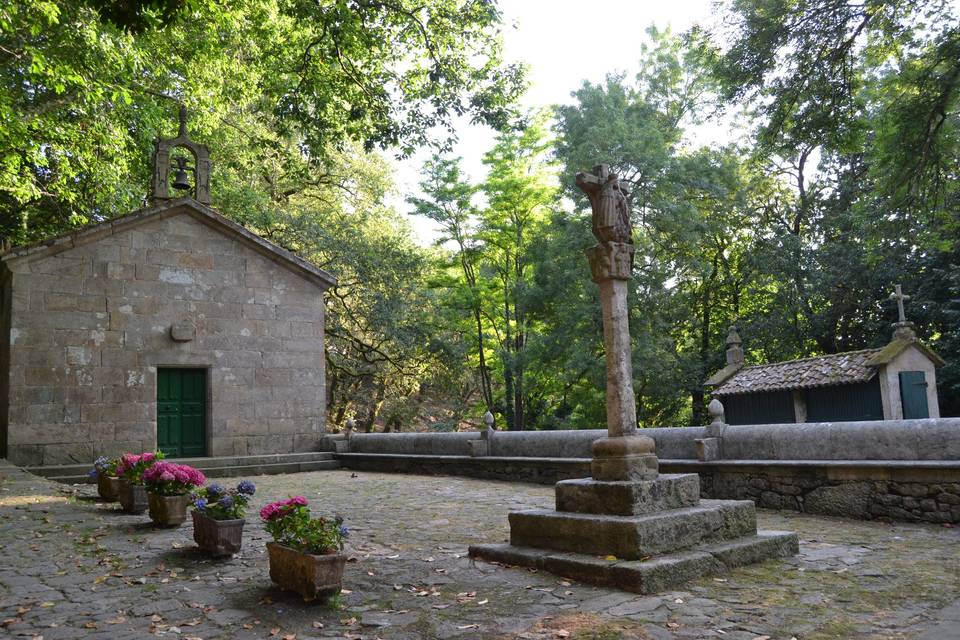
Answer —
913 395
181 419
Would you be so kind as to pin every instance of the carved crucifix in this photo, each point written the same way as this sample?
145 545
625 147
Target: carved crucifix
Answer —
900 297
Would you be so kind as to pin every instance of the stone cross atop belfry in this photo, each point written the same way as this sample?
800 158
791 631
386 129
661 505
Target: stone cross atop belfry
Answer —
903 328
900 297
623 454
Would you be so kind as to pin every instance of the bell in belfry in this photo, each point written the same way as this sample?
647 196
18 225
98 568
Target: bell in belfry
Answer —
180 180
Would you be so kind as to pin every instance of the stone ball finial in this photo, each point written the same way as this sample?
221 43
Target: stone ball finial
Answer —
351 425
733 335
488 419
716 410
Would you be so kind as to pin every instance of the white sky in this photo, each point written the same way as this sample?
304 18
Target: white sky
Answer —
563 42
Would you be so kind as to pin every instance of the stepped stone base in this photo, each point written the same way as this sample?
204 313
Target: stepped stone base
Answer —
633 537
639 534
624 498
646 576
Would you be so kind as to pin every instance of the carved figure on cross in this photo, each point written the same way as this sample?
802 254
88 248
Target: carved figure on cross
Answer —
611 212
899 296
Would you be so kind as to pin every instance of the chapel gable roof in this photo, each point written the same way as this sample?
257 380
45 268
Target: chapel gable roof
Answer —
850 367
201 212
820 371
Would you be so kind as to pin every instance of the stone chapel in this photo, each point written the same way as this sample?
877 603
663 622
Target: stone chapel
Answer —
171 328
895 382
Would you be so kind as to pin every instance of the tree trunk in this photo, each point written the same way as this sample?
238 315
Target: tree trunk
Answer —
374 410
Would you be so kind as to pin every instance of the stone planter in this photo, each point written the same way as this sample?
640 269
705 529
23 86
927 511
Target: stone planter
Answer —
217 537
132 497
108 487
168 511
313 577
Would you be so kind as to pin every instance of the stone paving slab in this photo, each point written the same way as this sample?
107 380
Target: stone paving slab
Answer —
75 568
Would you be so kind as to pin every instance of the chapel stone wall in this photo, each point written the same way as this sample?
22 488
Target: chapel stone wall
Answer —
89 327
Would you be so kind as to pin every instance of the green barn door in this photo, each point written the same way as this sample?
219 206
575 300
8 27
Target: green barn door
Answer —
913 395
181 401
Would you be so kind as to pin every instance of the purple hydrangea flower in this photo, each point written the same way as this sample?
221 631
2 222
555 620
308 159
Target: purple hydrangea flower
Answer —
246 487
214 490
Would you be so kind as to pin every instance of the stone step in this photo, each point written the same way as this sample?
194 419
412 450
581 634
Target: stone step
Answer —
220 467
655 575
634 537
629 498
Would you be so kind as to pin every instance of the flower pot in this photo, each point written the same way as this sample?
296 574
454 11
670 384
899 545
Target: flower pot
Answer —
108 487
313 577
132 497
217 537
168 511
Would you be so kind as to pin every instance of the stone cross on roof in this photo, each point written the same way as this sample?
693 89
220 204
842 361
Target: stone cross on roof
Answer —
899 296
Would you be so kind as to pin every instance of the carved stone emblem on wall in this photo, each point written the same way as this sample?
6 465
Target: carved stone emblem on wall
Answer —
184 331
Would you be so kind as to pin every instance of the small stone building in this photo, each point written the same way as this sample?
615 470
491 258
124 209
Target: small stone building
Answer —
894 382
171 327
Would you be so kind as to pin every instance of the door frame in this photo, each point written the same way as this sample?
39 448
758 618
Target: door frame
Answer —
207 402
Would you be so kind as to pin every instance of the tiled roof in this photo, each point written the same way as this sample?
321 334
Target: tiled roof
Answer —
838 368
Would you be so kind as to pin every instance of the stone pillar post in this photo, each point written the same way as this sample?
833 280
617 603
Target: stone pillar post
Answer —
623 454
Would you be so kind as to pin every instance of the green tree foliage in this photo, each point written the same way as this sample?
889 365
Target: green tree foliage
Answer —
276 84
857 107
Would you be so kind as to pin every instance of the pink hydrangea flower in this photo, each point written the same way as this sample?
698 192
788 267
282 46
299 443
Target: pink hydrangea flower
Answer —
166 476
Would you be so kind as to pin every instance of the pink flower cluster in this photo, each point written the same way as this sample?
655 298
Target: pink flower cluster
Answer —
129 461
173 472
279 509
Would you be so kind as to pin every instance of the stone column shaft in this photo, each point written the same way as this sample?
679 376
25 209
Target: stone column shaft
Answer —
621 405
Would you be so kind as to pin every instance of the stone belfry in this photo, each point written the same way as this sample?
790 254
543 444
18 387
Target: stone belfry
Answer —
628 526
163 162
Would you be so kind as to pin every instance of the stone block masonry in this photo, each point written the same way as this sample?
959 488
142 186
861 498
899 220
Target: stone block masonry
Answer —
88 320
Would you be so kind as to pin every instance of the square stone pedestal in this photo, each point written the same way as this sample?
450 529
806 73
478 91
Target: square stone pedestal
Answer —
642 536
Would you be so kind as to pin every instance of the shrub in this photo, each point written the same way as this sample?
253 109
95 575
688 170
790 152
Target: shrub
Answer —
131 467
290 524
172 479
218 503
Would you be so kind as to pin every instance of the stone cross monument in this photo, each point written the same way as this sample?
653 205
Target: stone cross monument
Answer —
622 455
628 526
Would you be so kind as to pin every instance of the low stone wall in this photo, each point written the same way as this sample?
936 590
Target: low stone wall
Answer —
937 439
535 470
883 489
901 470
672 442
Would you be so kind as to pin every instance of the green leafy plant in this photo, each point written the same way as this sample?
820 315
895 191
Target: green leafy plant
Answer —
289 522
131 467
218 503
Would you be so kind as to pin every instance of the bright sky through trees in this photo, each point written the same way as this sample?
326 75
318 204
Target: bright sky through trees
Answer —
564 42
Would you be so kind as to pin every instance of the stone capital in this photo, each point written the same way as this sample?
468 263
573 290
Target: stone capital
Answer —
611 261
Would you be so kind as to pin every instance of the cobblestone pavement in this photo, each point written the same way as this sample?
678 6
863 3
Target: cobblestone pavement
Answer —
76 568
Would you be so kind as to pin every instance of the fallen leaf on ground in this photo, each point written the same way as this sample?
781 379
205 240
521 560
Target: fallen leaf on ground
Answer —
468 626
